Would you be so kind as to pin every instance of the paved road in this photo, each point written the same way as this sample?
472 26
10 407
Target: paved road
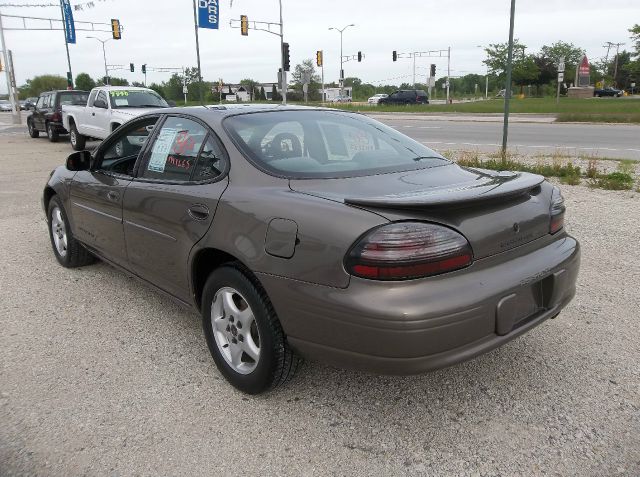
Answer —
100 376
616 141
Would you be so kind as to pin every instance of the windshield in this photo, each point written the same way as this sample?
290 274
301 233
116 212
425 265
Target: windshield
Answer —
74 98
324 144
136 99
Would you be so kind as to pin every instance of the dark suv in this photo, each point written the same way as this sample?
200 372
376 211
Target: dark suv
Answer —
406 96
47 113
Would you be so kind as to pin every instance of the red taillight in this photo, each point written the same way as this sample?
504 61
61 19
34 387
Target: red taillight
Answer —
57 117
556 211
406 250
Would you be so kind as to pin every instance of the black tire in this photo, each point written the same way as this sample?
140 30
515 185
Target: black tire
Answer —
78 141
277 362
33 132
75 254
52 134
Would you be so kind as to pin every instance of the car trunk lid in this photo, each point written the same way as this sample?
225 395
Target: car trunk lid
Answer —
495 211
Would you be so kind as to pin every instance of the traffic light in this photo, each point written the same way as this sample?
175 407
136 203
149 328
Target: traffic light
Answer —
115 29
319 57
244 25
144 69
132 67
433 70
286 57
359 56
69 80
395 55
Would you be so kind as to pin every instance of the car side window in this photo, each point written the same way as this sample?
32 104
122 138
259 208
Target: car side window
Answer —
102 96
122 149
40 102
92 98
174 153
211 161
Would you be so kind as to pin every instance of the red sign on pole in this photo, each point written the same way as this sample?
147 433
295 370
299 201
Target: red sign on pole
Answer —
584 66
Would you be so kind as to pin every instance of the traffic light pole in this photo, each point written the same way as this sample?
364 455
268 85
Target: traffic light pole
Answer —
16 117
283 78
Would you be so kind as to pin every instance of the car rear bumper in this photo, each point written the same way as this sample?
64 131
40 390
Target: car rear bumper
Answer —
59 127
420 325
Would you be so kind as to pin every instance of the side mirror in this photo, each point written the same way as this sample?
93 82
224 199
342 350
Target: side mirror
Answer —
98 103
171 103
79 161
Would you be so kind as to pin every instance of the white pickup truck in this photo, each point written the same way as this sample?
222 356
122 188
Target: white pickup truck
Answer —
108 107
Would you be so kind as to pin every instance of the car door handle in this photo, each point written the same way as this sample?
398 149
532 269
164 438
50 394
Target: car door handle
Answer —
113 196
198 211
93 114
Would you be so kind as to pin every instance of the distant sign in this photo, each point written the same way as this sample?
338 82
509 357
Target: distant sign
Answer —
561 65
208 14
583 72
185 90
560 77
69 27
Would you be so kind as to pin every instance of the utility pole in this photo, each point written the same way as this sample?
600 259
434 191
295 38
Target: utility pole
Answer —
448 71
507 95
615 69
195 23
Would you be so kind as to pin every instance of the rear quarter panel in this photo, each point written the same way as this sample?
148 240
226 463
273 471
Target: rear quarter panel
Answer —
326 229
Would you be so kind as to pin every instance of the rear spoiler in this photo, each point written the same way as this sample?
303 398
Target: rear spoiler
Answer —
493 186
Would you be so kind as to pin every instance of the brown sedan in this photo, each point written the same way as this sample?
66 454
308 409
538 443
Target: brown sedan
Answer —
302 232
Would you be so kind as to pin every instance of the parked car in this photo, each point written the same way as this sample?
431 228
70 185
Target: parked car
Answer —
302 232
406 96
30 103
341 99
5 105
108 107
376 98
609 91
47 114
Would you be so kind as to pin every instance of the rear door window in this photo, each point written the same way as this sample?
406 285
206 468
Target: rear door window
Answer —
175 150
73 98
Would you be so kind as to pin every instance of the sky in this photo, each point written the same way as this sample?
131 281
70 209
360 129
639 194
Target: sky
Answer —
160 33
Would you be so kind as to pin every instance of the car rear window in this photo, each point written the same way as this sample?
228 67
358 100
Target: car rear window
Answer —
73 98
325 144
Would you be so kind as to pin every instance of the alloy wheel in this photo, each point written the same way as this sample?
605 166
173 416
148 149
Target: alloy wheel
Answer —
235 330
58 231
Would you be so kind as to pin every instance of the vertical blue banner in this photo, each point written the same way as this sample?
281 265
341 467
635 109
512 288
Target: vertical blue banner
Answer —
69 27
208 14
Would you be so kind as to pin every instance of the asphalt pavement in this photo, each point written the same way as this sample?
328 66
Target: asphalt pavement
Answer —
528 136
101 376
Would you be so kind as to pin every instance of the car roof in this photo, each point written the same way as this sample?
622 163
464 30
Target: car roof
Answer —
216 113
126 88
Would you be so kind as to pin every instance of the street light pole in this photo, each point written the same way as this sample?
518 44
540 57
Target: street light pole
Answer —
104 56
486 79
341 62
283 80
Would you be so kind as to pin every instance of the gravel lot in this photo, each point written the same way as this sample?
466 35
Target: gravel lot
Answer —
102 376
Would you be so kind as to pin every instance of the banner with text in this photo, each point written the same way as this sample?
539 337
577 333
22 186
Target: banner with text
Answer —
208 14
69 27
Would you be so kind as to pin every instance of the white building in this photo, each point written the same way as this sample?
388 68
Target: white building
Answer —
332 93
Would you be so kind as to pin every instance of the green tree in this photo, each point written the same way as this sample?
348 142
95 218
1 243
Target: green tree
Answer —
38 84
113 81
84 82
250 86
157 88
173 87
635 38
547 61
275 96
262 93
307 67
524 71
